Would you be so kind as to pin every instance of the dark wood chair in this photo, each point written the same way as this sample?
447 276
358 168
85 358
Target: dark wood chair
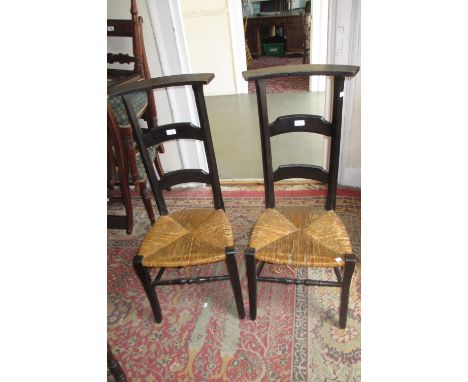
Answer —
300 236
189 237
116 159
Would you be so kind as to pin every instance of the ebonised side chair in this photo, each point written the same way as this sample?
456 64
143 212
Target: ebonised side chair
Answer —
298 235
192 236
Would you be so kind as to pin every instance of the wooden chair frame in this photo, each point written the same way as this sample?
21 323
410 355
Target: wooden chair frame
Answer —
119 160
134 29
184 130
310 124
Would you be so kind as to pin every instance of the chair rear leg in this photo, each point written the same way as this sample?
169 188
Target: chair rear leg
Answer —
235 282
252 281
145 278
350 263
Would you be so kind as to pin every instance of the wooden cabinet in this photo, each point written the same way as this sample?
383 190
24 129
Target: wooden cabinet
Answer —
294 39
294 25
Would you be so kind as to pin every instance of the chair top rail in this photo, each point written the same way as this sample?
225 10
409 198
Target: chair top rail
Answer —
161 82
301 70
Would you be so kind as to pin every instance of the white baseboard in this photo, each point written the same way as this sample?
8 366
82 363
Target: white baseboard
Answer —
351 177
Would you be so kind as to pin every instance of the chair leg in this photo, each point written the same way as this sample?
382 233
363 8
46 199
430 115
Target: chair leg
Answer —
145 278
252 281
350 263
235 282
129 145
114 366
147 200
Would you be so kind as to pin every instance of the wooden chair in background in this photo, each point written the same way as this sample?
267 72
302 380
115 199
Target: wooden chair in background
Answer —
143 102
116 160
300 236
189 237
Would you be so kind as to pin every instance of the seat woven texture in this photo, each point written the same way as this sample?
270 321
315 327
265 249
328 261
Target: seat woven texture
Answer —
300 236
139 101
187 237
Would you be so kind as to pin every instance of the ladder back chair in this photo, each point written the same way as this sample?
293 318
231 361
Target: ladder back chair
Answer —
132 29
192 236
298 235
143 102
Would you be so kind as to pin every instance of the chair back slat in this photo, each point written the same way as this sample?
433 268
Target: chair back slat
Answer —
121 58
181 130
120 28
301 123
305 171
172 178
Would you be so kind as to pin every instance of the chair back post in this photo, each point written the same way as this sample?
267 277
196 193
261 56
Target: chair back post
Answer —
208 143
260 86
150 171
138 38
334 160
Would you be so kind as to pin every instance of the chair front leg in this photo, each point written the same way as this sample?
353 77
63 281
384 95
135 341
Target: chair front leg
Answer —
252 281
145 278
235 282
350 263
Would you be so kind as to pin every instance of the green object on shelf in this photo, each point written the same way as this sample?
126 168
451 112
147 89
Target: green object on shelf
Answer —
276 49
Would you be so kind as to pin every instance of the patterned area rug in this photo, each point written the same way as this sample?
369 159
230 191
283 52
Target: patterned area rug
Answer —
294 338
280 85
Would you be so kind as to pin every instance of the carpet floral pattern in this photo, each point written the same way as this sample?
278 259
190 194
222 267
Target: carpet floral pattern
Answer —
279 85
294 338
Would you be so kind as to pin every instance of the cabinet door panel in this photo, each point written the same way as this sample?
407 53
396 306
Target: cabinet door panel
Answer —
294 38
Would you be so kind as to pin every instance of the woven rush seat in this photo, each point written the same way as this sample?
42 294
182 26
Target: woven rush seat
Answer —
300 236
186 238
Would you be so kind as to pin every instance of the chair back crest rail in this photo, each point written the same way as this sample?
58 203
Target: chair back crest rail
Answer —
301 123
181 130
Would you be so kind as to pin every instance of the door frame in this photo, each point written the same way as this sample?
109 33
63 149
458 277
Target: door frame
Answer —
344 49
174 59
